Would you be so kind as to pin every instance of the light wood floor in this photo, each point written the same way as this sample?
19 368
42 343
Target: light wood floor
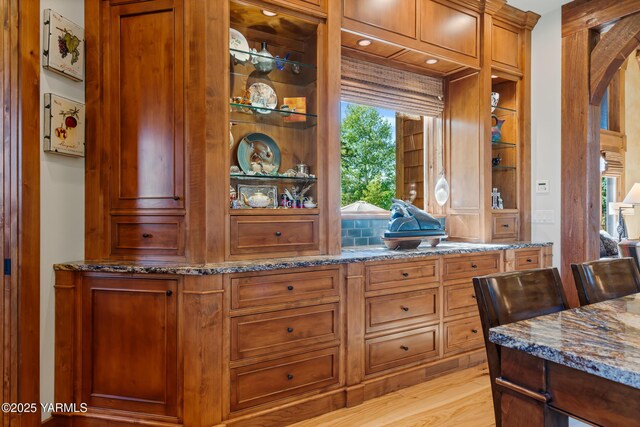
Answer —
461 399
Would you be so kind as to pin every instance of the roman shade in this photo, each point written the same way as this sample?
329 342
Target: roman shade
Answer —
615 163
385 87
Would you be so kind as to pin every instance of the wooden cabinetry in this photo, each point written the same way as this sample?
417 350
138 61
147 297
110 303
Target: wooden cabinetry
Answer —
136 174
130 344
265 347
159 113
490 145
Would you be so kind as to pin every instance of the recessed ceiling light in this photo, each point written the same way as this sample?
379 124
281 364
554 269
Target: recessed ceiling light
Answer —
364 42
268 13
493 76
431 61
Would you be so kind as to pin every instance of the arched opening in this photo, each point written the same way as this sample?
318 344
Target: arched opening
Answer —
595 44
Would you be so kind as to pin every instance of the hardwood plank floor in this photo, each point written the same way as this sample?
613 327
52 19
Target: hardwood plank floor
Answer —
459 399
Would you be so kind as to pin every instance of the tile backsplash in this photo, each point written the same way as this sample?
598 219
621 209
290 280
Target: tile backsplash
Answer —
363 232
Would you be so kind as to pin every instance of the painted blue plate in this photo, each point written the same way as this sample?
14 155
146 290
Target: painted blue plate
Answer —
259 153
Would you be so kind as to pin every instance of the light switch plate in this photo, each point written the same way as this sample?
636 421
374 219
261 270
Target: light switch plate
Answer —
543 217
542 186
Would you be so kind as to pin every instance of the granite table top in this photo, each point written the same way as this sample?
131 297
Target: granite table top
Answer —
350 255
602 339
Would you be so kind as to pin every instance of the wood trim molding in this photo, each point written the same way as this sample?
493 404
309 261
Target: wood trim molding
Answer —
20 196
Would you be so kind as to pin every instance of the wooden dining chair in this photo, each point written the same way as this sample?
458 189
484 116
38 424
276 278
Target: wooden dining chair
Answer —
509 297
606 279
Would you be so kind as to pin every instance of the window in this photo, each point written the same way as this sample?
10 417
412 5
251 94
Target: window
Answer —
609 217
368 145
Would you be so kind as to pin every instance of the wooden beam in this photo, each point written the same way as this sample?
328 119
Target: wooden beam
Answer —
580 159
611 52
581 14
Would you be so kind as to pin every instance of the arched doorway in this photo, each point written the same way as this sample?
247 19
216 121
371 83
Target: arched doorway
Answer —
589 62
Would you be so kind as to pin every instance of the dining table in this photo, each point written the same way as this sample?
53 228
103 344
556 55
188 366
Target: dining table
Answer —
582 363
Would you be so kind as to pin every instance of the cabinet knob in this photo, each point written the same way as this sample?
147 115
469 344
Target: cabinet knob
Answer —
289 377
147 235
176 197
289 330
405 274
278 233
404 308
475 331
505 225
404 347
169 292
473 296
474 265
289 288
529 260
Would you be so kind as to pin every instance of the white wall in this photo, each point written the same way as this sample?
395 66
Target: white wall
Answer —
632 124
546 164
62 205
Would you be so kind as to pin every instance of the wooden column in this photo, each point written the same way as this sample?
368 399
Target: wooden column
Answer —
580 159
354 364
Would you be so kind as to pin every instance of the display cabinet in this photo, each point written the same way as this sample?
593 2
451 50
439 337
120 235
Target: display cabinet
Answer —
275 160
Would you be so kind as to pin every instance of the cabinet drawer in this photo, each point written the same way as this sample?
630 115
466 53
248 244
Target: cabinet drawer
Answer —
505 226
385 276
254 291
526 260
150 235
401 349
258 234
463 335
407 308
469 266
459 299
265 382
286 330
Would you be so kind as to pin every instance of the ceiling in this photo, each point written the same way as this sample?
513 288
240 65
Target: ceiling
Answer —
538 6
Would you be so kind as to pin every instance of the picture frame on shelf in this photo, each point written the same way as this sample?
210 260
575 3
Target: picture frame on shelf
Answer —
64 126
63 49
246 191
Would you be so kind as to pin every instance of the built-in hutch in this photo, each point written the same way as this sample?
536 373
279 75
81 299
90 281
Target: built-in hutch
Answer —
188 312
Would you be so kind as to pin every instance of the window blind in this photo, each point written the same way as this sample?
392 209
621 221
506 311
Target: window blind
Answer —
385 87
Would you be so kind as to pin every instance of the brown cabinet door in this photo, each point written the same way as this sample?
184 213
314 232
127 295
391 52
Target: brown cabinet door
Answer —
129 344
144 109
395 16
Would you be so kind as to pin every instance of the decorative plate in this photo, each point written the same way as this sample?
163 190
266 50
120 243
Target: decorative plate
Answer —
263 95
237 41
258 154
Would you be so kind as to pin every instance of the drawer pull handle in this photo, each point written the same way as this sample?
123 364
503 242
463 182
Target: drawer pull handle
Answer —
505 225
474 265
169 292
404 347
475 331
289 377
405 274
289 288
529 260
405 308
289 330
176 197
278 233
147 235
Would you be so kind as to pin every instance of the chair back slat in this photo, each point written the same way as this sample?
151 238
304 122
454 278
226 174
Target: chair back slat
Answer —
606 279
510 297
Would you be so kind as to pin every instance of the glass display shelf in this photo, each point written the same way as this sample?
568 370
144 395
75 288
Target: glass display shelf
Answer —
501 144
510 110
248 114
503 168
244 177
273 211
280 61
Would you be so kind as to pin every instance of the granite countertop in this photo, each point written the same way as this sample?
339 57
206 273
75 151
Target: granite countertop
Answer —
350 255
602 339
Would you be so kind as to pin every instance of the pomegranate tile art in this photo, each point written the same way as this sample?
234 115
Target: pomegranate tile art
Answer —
63 126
